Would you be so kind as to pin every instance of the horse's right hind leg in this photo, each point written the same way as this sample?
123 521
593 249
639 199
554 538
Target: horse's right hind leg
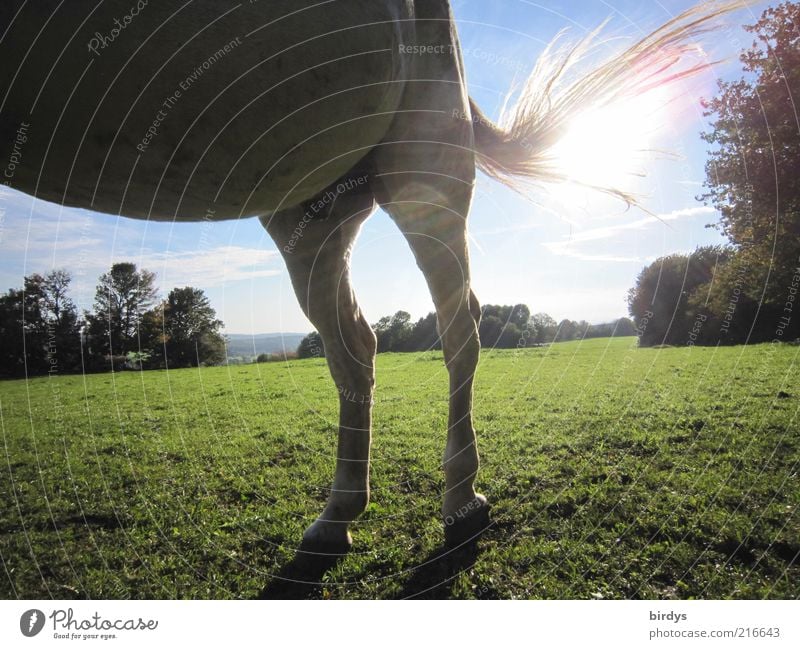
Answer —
434 224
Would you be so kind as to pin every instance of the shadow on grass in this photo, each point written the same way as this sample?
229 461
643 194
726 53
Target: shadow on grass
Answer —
435 576
301 578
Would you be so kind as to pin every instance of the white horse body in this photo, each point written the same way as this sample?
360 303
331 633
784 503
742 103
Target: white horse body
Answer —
238 108
327 109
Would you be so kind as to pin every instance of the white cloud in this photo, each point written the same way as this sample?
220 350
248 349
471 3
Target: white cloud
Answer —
36 236
594 305
212 267
41 230
570 247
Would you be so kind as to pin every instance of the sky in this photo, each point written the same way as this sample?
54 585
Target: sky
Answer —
566 251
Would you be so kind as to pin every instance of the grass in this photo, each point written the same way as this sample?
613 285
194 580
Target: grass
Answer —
614 472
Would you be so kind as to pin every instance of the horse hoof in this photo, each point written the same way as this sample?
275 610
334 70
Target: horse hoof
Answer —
326 539
468 523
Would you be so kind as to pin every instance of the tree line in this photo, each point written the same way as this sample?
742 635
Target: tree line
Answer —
129 326
501 327
746 291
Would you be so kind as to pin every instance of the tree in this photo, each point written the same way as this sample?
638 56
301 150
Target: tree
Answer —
191 331
753 171
424 334
311 346
519 315
505 326
663 302
61 321
393 332
546 327
39 327
123 296
23 350
567 330
490 331
500 327
624 327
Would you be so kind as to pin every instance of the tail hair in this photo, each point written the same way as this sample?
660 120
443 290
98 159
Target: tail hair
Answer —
518 150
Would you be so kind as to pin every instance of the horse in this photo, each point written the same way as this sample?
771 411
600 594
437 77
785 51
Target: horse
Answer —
308 115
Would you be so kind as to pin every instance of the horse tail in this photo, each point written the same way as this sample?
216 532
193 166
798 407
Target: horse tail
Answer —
519 148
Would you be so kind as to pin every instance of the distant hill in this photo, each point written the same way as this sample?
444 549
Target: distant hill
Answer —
251 345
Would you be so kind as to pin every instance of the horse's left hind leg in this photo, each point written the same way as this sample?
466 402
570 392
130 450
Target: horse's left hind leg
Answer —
317 255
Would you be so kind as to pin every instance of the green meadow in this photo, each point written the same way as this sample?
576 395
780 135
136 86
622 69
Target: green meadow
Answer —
613 472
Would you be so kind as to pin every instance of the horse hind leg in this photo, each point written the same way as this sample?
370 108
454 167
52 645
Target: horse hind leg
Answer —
318 263
435 227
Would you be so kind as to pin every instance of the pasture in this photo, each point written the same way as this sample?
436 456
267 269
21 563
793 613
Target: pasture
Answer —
613 472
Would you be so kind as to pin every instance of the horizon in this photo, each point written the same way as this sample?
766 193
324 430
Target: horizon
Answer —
305 333
571 253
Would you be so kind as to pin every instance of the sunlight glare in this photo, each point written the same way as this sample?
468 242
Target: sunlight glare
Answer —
609 146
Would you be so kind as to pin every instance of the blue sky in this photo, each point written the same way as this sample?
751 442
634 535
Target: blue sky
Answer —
568 252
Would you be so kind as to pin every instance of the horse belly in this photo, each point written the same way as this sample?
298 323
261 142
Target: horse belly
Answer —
168 111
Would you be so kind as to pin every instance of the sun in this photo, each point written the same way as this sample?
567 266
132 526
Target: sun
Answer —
609 147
